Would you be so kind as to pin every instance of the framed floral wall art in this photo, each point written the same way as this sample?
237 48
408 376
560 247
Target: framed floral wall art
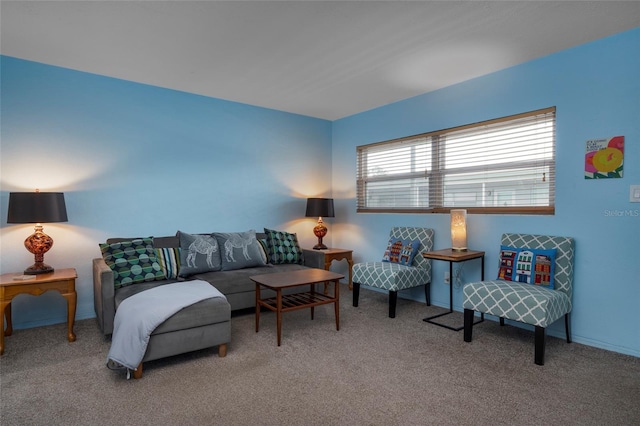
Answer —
604 158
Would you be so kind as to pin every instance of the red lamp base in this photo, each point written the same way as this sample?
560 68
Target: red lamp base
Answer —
38 243
320 231
38 268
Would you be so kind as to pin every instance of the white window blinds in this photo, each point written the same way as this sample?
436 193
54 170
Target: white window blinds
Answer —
505 165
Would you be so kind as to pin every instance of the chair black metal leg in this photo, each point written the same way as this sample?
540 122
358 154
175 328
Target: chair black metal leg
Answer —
468 324
393 299
427 293
540 344
356 294
567 327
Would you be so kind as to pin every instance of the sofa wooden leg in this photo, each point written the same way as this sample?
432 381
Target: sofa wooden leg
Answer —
393 300
222 350
502 321
567 327
468 324
540 344
137 373
356 294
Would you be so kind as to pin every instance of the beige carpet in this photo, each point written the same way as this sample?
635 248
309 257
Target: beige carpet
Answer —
374 371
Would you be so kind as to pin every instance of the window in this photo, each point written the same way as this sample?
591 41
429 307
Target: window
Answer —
506 165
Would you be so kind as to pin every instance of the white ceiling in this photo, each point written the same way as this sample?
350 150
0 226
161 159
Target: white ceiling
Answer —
322 59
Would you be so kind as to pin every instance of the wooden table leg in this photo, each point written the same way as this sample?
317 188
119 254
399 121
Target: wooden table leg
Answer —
71 314
350 262
327 267
279 314
313 291
7 315
257 307
337 303
4 308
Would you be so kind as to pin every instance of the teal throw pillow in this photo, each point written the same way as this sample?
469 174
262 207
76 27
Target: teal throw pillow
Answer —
132 261
239 250
401 251
198 253
530 266
283 247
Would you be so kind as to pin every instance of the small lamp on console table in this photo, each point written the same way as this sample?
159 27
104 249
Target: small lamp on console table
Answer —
320 207
37 207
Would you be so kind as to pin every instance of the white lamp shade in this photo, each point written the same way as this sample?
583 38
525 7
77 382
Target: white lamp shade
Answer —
459 229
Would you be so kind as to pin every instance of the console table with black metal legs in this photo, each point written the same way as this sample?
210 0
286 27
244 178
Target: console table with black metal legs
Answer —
452 256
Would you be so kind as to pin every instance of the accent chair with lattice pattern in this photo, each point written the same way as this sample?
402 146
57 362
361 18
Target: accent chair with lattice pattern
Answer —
398 270
535 286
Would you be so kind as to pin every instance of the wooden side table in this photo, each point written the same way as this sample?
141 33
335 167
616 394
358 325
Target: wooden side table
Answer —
332 254
61 280
452 257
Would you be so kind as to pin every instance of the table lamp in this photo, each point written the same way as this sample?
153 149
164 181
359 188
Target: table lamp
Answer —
459 230
320 207
37 207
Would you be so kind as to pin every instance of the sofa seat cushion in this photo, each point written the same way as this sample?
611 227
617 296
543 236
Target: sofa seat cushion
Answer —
238 281
525 303
209 311
205 312
390 276
128 291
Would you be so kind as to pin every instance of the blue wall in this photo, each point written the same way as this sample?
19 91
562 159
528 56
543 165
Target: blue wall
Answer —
596 89
137 160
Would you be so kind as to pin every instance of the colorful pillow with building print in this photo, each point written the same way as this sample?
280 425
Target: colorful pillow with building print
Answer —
401 251
525 265
283 247
132 261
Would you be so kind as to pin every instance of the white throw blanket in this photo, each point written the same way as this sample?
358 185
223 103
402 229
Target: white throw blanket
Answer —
139 315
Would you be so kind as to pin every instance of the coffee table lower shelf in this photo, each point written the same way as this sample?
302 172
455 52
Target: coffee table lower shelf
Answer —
293 302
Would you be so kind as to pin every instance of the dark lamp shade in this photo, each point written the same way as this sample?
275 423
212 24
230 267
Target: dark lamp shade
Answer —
319 207
36 207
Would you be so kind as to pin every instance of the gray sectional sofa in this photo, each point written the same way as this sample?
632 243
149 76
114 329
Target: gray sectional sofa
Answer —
206 323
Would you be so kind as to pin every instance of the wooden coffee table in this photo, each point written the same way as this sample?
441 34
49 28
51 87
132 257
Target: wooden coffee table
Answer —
291 302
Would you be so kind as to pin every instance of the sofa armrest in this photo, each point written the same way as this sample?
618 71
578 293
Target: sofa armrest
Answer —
103 295
313 258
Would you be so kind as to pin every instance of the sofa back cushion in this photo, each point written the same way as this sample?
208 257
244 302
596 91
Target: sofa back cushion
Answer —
166 242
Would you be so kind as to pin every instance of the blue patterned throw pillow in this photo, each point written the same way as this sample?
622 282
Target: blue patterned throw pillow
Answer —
401 251
525 265
132 262
283 247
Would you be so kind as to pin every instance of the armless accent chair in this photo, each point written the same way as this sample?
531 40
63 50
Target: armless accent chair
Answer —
536 305
396 276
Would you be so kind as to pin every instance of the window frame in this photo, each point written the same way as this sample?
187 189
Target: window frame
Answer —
436 173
